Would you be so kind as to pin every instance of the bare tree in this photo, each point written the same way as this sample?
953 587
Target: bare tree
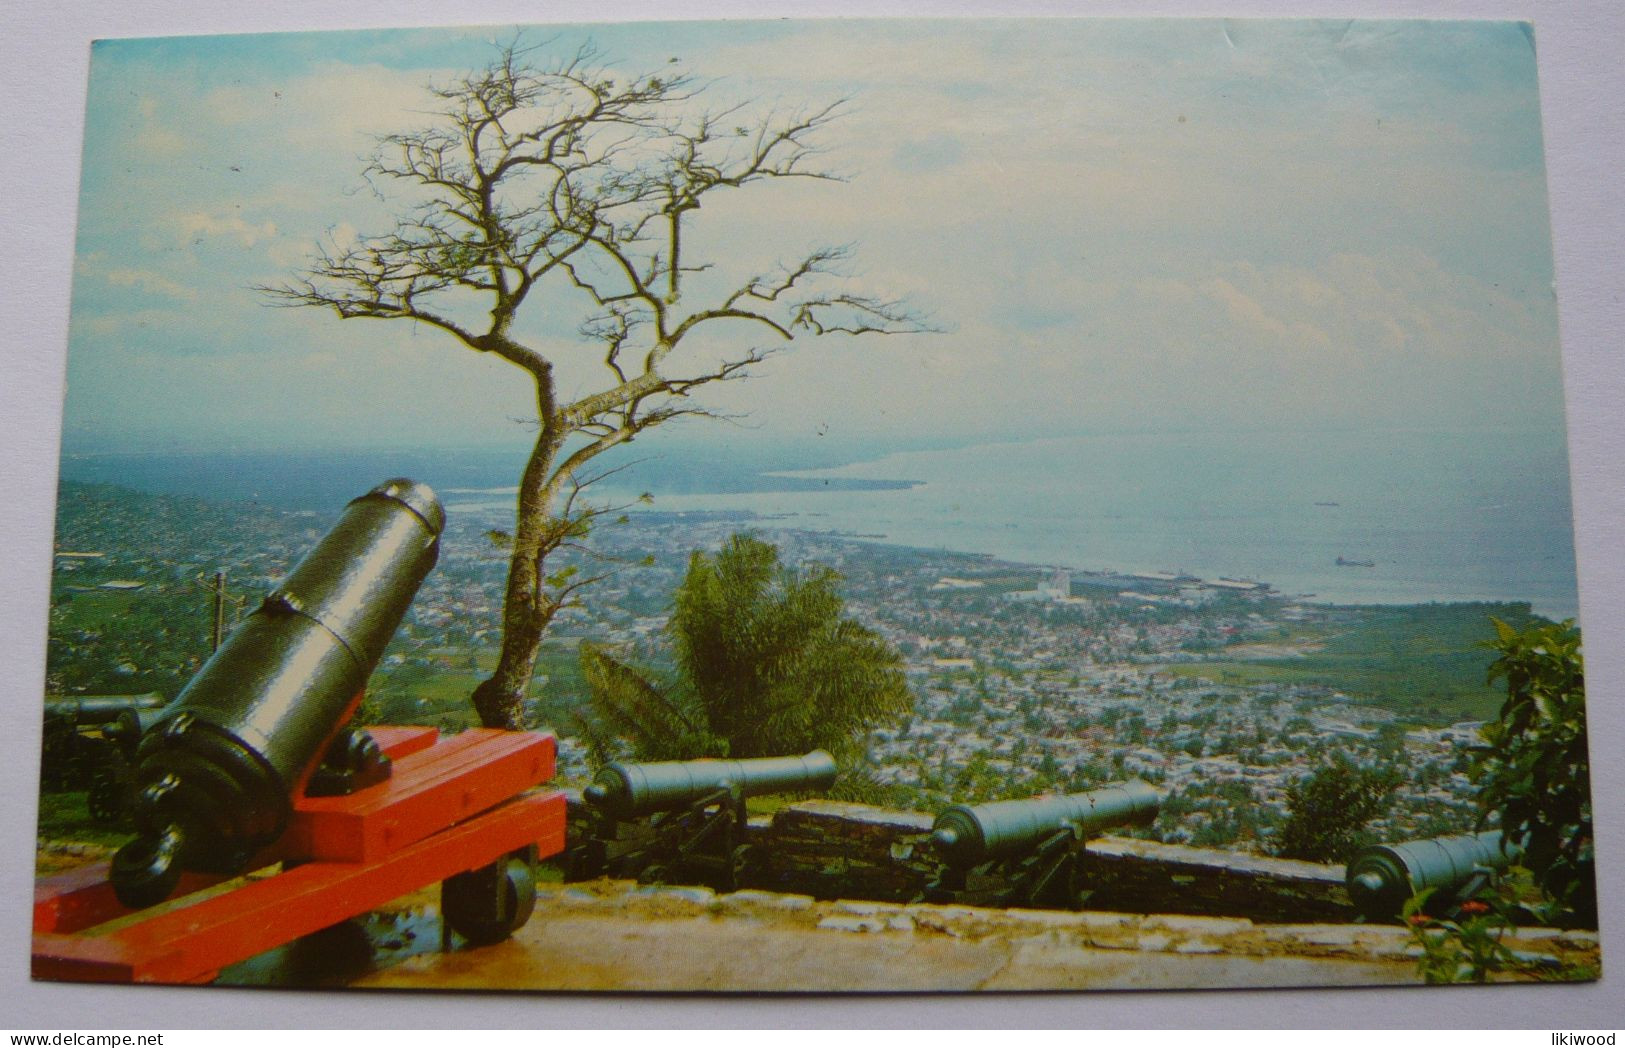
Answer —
551 178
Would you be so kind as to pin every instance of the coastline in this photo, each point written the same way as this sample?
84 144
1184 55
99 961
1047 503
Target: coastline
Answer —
1325 596
1165 503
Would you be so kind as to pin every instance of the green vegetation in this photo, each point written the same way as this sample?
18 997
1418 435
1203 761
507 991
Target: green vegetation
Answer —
1467 949
1466 945
1328 810
155 638
1536 775
1424 661
767 663
435 690
66 817
151 638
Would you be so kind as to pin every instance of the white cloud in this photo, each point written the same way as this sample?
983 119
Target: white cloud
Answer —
194 226
150 282
1254 320
154 137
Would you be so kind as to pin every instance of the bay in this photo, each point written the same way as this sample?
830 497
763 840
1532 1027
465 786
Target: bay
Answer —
1438 516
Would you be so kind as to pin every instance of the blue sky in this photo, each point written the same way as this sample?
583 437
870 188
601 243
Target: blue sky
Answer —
1119 225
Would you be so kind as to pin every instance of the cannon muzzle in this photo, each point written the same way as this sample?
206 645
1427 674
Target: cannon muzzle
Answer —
216 774
627 791
966 836
1380 879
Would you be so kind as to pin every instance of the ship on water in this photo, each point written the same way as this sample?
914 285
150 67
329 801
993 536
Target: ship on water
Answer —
1344 562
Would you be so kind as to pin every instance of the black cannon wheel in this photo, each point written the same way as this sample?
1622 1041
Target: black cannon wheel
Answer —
489 904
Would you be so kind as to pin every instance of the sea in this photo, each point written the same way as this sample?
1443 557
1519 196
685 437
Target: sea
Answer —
1414 515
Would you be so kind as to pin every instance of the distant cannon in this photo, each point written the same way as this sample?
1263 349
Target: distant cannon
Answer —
1380 879
1025 853
629 790
77 710
214 777
682 820
89 744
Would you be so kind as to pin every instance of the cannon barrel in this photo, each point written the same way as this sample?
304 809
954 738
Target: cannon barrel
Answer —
97 709
965 836
629 790
1381 878
215 776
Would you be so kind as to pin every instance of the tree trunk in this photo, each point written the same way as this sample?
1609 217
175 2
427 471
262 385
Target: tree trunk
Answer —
526 611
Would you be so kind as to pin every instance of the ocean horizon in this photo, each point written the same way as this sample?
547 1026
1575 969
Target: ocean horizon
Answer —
1414 516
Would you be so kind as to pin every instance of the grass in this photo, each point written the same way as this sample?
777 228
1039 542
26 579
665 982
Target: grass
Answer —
1424 661
417 694
66 817
93 609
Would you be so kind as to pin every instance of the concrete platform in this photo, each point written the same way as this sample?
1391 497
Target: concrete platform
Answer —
612 935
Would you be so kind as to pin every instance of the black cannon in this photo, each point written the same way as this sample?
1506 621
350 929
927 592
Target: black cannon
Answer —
1025 853
1381 878
89 743
216 775
681 821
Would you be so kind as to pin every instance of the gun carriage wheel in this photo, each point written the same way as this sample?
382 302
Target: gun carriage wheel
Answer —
488 904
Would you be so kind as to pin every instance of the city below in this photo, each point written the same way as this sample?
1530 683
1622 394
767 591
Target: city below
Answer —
1026 678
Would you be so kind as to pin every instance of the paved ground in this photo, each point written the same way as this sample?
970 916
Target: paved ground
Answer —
610 935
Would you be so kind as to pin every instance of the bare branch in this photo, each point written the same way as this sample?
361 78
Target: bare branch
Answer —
858 315
549 168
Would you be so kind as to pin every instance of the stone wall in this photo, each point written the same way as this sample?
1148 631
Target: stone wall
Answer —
831 850
834 850
1137 876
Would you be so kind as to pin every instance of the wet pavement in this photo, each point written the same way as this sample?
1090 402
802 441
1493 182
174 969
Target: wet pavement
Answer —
614 935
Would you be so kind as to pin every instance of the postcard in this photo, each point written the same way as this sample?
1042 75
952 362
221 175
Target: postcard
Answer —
816 505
